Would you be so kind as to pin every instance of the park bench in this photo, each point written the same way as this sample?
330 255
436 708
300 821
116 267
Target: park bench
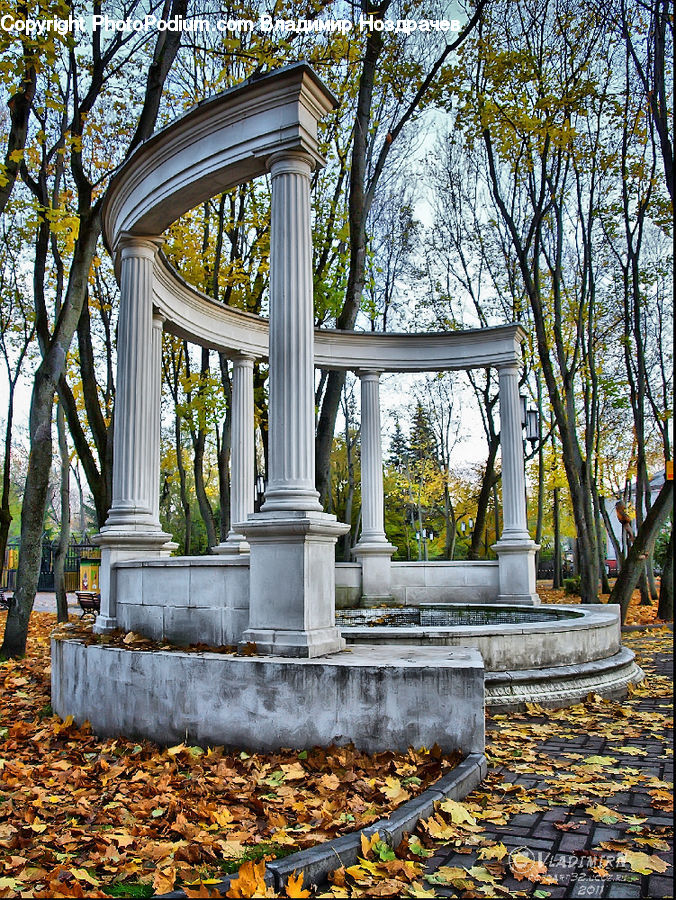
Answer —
90 602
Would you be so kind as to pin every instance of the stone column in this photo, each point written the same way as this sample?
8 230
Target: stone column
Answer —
515 549
292 573
241 455
132 529
291 478
153 460
373 551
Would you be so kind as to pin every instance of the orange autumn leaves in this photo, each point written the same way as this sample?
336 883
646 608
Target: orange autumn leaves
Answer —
79 814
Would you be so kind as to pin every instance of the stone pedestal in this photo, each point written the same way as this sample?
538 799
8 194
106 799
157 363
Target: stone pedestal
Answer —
374 552
242 456
292 572
116 546
132 529
515 549
376 572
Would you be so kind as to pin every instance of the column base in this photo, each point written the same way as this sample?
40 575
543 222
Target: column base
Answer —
104 625
118 543
234 545
298 644
292 583
291 500
375 558
517 576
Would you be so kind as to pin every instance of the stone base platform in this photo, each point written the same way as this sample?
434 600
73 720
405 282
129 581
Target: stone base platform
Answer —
378 697
558 686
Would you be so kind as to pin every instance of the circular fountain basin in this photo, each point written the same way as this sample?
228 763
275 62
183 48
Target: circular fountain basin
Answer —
552 655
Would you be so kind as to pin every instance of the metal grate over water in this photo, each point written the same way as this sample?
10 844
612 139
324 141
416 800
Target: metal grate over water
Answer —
446 617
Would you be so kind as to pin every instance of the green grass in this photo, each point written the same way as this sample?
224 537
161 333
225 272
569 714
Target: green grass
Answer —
256 852
128 889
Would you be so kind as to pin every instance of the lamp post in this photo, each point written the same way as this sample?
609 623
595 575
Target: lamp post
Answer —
259 487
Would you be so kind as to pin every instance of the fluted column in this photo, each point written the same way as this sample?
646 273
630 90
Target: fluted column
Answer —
292 541
515 549
132 530
291 403
137 417
153 460
372 497
373 551
241 454
511 447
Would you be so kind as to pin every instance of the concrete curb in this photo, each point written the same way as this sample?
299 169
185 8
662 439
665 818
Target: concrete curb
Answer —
651 627
316 862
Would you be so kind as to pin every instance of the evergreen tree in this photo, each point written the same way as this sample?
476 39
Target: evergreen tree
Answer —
423 443
398 448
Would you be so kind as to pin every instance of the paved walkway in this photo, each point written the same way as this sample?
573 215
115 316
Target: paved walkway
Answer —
572 850
45 601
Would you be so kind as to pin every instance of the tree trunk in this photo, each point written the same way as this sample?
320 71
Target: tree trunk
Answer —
32 514
64 535
449 518
199 438
200 489
488 482
185 502
54 348
600 543
348 541
5 514
650 571
557 580
643 542
665 609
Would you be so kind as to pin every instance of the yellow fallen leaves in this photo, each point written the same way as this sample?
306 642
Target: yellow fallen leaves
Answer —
250 882
524 866
459 814
497 851
642 862
603 814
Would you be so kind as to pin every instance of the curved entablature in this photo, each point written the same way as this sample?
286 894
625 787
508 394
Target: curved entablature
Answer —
220 143
192 315
228 140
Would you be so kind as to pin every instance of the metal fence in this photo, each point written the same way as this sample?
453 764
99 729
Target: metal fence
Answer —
77 550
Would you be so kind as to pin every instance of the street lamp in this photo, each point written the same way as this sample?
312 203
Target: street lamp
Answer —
260 485
532 426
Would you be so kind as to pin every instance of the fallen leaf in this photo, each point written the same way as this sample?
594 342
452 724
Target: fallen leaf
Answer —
164 880
457 812
250 881
642 863
294 886
523 866
497 851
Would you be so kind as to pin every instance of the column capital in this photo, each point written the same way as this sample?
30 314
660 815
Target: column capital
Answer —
369 374
244 359
510 367
290 162
146 245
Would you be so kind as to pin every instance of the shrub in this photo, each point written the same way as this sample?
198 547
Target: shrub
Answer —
572 586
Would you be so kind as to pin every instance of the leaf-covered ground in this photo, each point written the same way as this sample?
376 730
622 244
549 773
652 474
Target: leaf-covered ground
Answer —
636 614
575 804
81 816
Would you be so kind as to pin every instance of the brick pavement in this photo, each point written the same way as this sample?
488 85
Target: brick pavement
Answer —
570 855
